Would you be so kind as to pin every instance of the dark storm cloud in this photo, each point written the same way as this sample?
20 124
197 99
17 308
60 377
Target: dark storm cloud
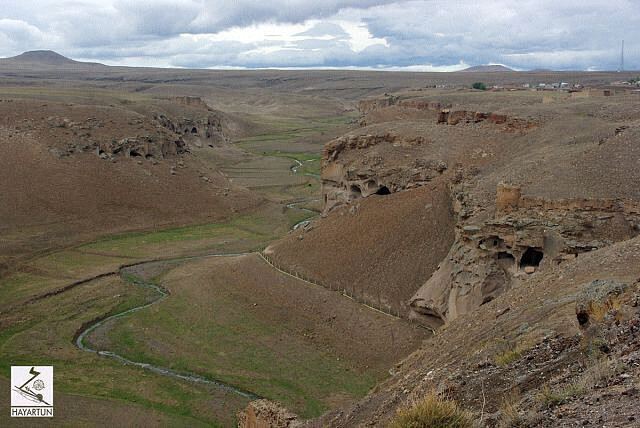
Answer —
361 33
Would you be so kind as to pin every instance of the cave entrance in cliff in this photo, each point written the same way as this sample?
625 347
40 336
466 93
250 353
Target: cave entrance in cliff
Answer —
531 257
194 130
383 190
355 192
135 154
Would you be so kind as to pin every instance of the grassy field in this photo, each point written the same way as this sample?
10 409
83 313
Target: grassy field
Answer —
294 135
43 333
230 319
84 96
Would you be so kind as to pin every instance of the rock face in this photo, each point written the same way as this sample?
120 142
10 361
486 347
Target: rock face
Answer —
350 172
371 105
86 136
145 147
455 117
525 235
267 414
502 234
191 101
367 106
208 127
445 113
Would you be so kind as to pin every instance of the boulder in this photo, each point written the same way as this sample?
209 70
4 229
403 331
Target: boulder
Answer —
267 414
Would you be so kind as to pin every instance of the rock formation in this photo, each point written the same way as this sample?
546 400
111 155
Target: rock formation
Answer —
348 175
525 235
267 414
207 127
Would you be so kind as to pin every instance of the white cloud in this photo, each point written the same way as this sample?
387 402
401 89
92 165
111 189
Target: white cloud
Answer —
416 34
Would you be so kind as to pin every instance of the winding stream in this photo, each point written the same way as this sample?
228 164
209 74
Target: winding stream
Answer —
162 294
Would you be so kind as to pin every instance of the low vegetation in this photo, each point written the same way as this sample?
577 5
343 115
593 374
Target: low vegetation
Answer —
510 353
598 373
433 411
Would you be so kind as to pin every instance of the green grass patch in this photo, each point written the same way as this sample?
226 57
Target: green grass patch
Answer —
233 345
22 285
433 411
42 333
251 228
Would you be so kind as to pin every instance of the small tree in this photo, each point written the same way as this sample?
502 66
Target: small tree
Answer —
479 85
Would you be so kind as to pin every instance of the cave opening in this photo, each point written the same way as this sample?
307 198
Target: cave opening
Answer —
134 154
383 190
355 191
194 130
531 257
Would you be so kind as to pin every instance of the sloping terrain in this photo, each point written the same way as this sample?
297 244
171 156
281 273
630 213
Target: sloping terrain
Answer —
72 172
380 250
263 331
525 351
539 199
506 221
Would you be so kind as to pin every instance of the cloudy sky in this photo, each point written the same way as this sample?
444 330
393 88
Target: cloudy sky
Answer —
409 35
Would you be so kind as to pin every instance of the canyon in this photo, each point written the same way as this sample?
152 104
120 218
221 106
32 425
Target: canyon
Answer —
320 248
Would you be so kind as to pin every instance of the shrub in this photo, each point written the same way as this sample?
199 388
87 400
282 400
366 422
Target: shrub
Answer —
433 412
509 352
479 85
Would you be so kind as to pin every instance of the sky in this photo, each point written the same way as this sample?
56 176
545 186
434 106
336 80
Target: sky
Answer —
416 35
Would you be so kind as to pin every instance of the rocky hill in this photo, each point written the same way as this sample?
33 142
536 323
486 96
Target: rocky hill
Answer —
44 58
489 68
536 302
97 169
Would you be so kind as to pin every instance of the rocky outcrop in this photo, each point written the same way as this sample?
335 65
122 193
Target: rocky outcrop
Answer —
371 105
191 101
267 414
420 104
455 117
349 174
86 137
367 106
145 147
207 128
526 235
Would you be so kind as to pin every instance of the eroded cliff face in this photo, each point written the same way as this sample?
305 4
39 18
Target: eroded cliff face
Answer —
207 128
359 166
500 239
157 132
198 124
525 235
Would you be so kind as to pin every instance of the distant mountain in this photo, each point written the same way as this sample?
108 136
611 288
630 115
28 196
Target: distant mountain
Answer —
489 68
45 58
